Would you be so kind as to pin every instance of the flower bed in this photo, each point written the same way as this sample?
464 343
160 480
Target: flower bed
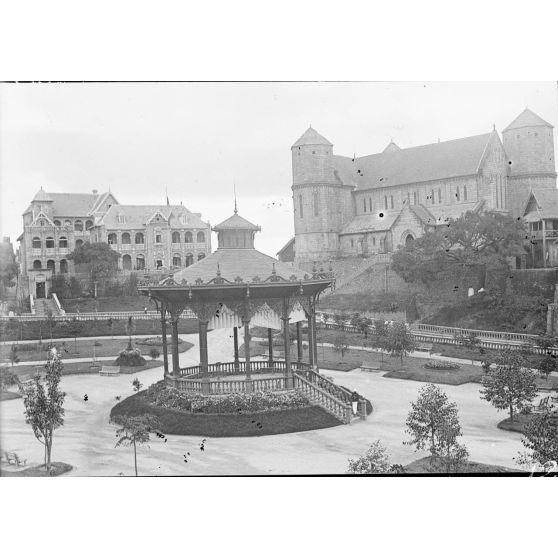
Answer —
130 358
441 365
169 397
155 341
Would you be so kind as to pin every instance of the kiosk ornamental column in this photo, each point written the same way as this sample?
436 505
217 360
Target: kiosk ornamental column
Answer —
164 338
270 347
236 360
310 340
175 362
204 360
299 342
287 346
246 323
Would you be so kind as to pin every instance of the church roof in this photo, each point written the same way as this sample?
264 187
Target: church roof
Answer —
390 147
137 216
527 118
234 263
287 246
311 137
370 222
447 159
236 222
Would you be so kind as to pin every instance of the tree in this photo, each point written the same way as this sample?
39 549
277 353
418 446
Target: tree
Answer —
508 383
374 462
14 356
363 325
541 438
7 378
341 344
8 266
59 285
43 403
135 430
433 422
154 353
130 328
399 340
378 339
137 385
74 328
454 453
98 258
481 241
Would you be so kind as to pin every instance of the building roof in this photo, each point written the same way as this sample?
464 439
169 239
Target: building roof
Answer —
370 222
390 147
234 263
42 196
545 205
137 216
311 137
527 118
287 246
447 159
236 222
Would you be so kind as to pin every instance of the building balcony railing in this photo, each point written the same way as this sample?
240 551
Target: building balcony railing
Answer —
549 233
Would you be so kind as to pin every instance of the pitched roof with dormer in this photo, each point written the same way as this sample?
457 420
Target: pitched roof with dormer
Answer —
396 167
541 204
138 216
311 137
67 204
527 119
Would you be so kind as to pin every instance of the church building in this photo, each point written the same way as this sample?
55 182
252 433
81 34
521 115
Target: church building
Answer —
361 206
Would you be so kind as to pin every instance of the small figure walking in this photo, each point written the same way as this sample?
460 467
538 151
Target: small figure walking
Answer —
355 397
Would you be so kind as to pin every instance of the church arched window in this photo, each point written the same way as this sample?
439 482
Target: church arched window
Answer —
300 206
316 203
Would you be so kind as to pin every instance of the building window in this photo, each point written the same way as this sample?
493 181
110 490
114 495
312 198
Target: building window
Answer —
49 242
36 243
385 202
88 224
370 205
497 198
57 223
79 243
140 262
189 260
433 201
37 264
139 238
414 198
391 201
127 262
200 237
67 223
126 239
62 242
50 265
364 204
176 237
373 241
464 193
316 203
188 237
112 238
352 243
158 237
439 195
78 225
63 266
201 256
457 194
121 218
300 206
176 260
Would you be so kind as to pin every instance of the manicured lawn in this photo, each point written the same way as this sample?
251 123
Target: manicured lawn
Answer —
7 395
85 348
227 425
414 371
437 465
13 330
518 424
27 371
58 468
108 304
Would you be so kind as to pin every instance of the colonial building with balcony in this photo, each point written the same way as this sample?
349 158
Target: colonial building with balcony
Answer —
147 237
541 216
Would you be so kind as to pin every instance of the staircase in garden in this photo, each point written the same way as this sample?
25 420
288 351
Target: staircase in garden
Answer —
45 306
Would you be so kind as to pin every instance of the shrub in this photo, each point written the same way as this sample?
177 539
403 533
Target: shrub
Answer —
441 365
154 353
130 358
172 398
374 462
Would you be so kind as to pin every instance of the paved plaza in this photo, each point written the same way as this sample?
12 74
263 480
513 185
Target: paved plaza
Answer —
87 440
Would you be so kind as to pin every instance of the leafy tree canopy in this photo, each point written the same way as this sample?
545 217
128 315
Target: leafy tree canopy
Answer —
483 240
98 257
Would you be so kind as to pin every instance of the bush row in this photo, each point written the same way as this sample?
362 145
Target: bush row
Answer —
163 396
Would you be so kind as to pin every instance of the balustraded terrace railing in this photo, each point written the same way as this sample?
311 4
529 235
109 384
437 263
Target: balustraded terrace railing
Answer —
86 316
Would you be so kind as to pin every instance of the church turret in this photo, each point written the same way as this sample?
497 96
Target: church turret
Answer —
529 145
321 202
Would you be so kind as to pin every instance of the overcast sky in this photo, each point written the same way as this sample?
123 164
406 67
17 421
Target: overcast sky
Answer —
196 140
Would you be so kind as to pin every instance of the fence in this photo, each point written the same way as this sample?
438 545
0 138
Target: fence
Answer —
86 316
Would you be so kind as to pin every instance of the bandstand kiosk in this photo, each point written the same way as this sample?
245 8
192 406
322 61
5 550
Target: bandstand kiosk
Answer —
237 287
